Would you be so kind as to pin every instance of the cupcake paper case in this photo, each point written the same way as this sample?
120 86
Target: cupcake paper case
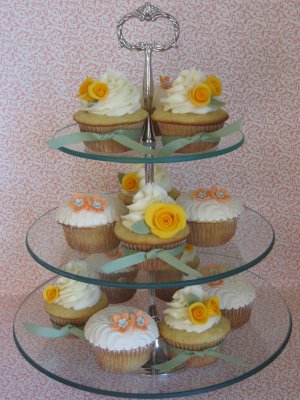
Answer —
73 302
122 337
88 221
107 105
212 215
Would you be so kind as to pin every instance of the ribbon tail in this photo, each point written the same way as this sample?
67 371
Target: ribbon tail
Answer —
174 145
73 138
53 333
225 131
174 363
134 145
227 358
123 262
174 262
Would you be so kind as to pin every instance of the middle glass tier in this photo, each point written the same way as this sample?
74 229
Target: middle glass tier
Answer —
253 240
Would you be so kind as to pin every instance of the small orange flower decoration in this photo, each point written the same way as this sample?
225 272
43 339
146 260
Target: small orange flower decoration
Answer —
200 194
213 269
165 82
79 202
213 306
215 85
188 247
121 322
140 321
50 294
200 95
219 194
83 90
98 90
130 182
198 313
96 203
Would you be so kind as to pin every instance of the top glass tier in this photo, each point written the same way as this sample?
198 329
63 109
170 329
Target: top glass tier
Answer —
226 145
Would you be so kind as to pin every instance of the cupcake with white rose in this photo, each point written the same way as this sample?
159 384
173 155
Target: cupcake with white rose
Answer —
88 221
109 104
69 301
193 322
154 221
212 215
134 180
122 337
191 106
236 295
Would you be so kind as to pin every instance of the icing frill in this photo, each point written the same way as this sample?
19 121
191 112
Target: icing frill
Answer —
116 96
118 328
192 310
192 92
88 211
69 293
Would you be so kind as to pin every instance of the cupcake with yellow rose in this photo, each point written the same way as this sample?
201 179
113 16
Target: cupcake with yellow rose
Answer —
154 221
88 221
190 107
193 323
212 215
68 301
110 104
134 180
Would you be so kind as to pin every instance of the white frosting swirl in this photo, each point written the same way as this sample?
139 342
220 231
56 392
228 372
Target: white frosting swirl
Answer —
236 292
123 97
177 100
209 210
98 331
75 294
66 215
177 315
149 194
161 177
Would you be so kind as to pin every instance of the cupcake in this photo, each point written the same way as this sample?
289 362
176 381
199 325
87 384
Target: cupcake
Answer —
188 257
115 294
133 181
236 296
212 215
123 338
154 221
193 322
88 221
73 302
107 105
191 107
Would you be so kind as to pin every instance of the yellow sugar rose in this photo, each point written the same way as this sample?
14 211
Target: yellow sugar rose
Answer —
198 313
130 182
98 90
213 306
50 294
83 90
215 85
165 220
200 95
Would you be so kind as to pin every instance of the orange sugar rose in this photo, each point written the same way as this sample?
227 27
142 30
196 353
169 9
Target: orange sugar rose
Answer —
198 313
200 95
98 90
130 182
213 306
83 90
50 294
215 85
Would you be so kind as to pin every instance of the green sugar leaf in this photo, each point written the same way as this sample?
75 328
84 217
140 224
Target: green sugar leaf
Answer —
192 298
141 227
217 103
121 176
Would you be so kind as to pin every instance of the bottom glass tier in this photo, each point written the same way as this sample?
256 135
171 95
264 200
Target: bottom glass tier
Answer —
72 361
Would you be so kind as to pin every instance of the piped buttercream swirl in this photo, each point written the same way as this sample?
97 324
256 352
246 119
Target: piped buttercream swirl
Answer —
123 97
98 331
177 312
209 210
75 294
177 97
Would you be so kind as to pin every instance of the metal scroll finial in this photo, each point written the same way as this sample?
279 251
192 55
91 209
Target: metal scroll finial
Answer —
148 13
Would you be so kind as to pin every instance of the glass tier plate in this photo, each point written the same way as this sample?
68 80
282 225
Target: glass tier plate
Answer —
253 240
226 145
72 361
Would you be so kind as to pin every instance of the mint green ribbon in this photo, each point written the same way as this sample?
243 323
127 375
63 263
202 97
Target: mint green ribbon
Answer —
136 257
54 333
183 356
172 144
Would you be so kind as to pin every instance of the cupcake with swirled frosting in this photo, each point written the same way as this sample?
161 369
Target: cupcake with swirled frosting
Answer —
154 221
69 301
212 215
122 337
190 107
193 322
109 104
88 221
134 180
236 296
